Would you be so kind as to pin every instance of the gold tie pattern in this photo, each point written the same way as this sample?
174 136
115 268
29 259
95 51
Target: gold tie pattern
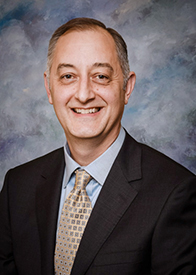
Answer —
74 217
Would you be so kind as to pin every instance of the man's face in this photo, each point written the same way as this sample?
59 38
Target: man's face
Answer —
86 86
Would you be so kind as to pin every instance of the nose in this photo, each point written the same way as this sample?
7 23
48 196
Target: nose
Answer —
84 91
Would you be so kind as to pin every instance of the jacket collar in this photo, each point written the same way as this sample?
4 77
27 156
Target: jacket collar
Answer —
47 205
116 196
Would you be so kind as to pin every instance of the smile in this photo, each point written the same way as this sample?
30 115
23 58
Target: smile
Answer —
86 111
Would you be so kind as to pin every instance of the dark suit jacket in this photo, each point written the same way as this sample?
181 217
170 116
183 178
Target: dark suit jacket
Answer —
144 221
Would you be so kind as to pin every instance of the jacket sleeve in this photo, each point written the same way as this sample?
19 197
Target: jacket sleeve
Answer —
174 239
7 264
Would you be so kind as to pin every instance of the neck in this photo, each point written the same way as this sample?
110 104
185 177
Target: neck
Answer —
85 151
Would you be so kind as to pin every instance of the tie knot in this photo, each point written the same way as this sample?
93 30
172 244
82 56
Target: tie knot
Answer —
82 179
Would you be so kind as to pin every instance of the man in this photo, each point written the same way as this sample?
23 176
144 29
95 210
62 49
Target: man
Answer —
142 204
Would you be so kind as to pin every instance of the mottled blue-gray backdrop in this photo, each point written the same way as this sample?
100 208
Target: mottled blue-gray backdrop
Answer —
161 38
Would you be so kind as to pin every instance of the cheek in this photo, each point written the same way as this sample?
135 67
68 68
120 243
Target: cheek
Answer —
58 99
116 98
117 103
102 93
62 96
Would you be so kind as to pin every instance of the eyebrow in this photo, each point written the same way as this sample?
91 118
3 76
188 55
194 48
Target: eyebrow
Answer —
64 65
95 65
103 65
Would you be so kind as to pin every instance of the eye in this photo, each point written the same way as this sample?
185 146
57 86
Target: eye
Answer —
101 76
67 76
101 79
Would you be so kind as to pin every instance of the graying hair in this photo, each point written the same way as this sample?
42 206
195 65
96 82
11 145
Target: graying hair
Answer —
81 24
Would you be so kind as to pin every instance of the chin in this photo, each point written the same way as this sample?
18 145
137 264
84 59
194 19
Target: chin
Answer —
86 134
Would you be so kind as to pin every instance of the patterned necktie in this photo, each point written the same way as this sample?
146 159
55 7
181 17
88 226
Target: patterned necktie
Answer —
74 217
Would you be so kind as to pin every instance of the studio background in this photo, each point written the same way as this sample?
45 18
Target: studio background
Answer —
161 39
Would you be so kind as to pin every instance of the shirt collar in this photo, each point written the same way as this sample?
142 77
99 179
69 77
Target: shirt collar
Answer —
70 166
103 163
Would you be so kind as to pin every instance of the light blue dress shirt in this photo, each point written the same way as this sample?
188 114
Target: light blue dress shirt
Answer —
98 169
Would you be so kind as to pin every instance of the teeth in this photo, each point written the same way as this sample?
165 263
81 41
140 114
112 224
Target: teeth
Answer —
86 111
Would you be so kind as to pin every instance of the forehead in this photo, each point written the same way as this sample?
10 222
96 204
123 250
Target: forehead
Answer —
97 43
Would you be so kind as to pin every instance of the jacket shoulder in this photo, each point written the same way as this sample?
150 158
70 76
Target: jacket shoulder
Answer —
151 162
46 161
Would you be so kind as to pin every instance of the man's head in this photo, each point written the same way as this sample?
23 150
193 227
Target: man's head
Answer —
86 84
81 24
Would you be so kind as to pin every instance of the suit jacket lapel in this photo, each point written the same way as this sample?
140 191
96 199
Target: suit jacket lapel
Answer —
116 196
47 206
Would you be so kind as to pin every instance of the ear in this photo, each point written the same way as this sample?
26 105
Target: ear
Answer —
47 87
130 86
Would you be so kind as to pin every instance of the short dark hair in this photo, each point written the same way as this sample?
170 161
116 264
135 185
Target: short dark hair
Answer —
81 24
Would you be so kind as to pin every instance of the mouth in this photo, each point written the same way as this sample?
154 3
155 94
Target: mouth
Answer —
86 111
